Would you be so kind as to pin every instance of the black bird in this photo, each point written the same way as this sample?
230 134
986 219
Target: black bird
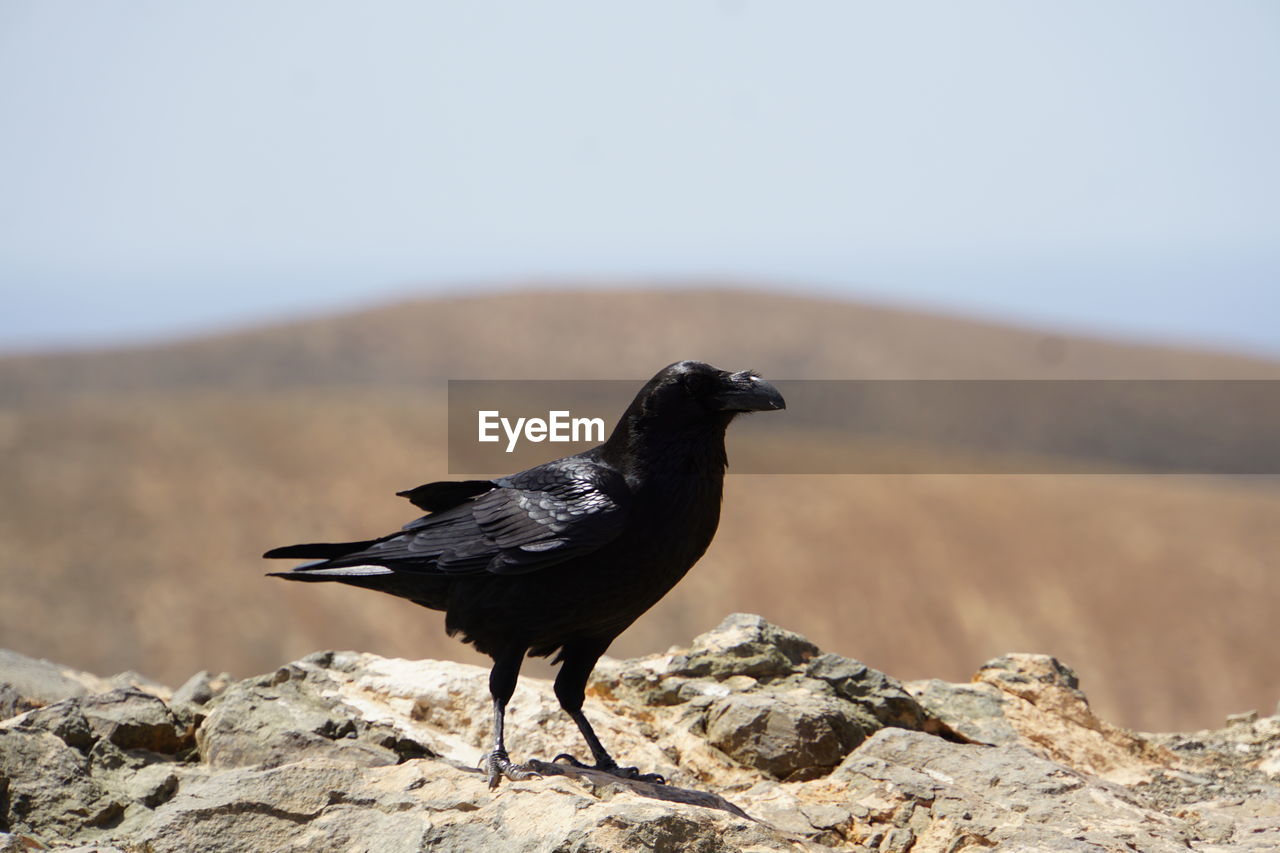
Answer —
561 558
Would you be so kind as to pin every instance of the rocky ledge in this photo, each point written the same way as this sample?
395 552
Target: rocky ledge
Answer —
766 742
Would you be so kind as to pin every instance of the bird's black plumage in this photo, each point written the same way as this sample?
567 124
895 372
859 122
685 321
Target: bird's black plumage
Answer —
561 558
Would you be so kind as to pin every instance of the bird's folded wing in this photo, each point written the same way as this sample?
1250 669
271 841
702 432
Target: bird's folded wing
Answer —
523 523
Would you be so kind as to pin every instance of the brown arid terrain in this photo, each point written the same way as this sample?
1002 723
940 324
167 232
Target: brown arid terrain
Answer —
139 487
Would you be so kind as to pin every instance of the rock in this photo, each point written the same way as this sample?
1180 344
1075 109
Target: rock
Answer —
1043 703
131 719
200 688
763 697
27 683
64 720
881 696
975 711
26 844
294 713
1035 701
744 644
768 744
324 805
12 702
144 777
948 795
792 736
48 790
1242 719
1222 784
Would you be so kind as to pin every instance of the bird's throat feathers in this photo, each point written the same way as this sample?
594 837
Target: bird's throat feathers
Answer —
643 451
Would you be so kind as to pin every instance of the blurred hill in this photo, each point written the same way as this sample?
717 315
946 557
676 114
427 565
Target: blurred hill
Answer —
141 485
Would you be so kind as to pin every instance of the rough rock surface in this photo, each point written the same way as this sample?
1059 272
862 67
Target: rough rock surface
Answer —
766 742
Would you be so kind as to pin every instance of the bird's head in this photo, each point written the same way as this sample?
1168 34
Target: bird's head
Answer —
681 414
693 392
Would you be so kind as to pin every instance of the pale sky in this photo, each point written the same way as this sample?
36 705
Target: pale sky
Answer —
176 167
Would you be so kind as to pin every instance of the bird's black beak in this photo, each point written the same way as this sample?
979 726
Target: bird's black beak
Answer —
746 392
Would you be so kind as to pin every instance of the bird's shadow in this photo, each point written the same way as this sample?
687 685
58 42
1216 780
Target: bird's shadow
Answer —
604 784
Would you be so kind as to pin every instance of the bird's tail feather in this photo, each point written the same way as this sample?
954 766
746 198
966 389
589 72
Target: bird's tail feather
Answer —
318 572
427 590
318 550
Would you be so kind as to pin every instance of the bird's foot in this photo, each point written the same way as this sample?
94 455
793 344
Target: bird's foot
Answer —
611 767
497 764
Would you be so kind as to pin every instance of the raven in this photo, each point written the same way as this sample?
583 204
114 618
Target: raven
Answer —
561 558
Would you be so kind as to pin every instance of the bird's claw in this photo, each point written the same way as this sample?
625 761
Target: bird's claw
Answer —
498 765
613 769
634 773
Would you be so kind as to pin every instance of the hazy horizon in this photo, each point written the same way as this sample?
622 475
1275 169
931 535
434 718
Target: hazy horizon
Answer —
179 169
248 318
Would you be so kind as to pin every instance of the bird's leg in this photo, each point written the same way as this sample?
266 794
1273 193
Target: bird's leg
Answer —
502 683
571 689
